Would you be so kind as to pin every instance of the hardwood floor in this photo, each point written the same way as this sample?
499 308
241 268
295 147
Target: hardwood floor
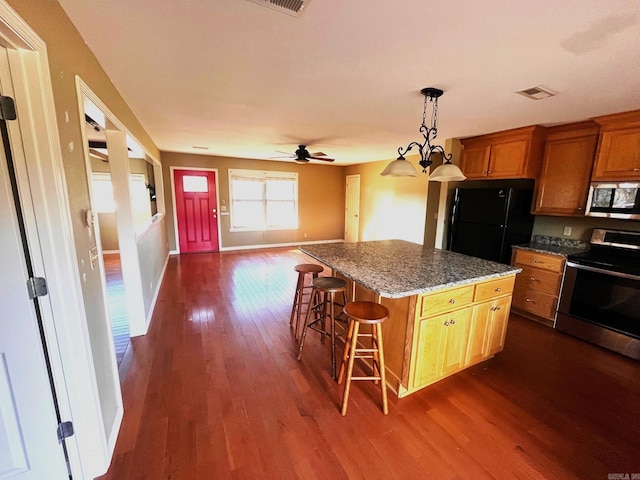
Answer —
117 304
214 391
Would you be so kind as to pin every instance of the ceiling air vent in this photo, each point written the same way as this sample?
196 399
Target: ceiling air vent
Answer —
295 8
536 93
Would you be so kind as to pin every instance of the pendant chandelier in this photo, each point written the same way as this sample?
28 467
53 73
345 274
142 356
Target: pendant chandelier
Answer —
447 172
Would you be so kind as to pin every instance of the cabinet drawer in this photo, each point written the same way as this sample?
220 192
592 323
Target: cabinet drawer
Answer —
544 261
447 300
493 288
537 279
535 301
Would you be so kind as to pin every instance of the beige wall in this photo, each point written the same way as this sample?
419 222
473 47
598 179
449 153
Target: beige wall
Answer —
390 207
321 192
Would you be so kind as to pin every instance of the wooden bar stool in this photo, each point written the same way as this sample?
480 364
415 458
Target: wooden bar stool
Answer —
326 288
303 269
367 313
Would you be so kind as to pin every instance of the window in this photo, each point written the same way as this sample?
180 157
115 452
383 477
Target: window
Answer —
103 201
263 200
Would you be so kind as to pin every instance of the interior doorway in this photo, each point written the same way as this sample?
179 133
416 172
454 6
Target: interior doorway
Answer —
196 210
352 209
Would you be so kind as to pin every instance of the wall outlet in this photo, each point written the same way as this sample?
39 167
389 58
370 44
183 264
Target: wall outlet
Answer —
567 231
305 235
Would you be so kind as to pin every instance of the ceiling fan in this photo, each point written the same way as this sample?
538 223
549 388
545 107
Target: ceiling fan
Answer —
302 155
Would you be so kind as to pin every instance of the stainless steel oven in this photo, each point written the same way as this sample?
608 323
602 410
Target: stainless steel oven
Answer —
600 297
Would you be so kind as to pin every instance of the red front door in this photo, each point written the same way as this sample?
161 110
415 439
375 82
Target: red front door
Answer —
196 210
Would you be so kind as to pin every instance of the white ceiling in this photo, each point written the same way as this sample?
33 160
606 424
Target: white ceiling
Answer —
345 77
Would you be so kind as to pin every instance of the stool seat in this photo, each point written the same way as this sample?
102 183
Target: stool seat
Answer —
366 312
329 284
308 268
371 314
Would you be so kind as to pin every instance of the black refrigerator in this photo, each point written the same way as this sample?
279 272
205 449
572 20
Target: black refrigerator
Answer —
485 222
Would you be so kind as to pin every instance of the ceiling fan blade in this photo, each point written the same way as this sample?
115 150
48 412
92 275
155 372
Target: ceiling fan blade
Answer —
324 159
288 154
318 154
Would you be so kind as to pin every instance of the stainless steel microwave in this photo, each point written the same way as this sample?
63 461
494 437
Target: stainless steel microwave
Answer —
614 200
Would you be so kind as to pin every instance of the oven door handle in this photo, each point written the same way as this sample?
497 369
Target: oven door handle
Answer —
603 271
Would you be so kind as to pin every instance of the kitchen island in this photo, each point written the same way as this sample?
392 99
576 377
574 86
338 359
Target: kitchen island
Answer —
447 311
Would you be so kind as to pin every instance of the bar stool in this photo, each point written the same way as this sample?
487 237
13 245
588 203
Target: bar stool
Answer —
366 313
303 269
326 287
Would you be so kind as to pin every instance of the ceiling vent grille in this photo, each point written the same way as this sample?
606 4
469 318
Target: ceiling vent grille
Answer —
295 8
536 93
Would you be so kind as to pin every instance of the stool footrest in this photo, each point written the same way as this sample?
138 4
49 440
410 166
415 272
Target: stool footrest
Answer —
365 378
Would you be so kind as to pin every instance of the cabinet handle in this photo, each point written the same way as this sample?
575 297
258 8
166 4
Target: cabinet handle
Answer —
452 322
498 289
636 169
535 260
446 324
529 300
533 279
452 301
488 172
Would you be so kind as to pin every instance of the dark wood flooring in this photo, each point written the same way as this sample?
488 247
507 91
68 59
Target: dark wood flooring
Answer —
117 304
214 391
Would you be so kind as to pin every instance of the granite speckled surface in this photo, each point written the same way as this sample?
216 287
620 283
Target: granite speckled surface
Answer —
396 268
554 245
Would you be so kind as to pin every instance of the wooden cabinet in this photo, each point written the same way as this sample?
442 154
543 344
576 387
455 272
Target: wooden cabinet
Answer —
472 329
538 285
618 156
563 184
513 153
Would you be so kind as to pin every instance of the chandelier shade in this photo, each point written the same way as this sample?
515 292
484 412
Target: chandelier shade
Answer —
446 172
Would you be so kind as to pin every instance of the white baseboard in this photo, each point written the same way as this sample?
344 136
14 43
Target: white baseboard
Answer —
277 245
268 245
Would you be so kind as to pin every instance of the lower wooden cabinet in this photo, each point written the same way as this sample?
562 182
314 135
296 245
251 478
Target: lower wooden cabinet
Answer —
467 334
538 285
442 343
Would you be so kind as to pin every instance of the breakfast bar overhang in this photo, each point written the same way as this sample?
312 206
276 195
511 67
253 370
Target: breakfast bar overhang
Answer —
447 311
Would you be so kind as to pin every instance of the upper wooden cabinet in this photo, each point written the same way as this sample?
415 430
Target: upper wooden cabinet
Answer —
513 153
563 184
618 156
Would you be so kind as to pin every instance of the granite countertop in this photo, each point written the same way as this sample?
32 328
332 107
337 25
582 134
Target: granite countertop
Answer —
554 246
396 268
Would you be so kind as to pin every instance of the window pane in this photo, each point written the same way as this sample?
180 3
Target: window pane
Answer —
102 195
280 190
281 214
248 214
195 183
247 189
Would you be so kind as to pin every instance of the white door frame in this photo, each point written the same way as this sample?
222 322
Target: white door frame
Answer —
48 224
117 137
173 203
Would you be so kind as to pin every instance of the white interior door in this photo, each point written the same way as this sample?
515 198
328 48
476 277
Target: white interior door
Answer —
29 446
352 209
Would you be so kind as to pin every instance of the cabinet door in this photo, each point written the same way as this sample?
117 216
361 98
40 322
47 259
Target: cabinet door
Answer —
566 172
474 161
497 330
429 357
457 337
478 332
618 155
507 160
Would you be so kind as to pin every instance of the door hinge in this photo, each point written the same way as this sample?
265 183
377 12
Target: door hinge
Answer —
7 108
65 430
37 287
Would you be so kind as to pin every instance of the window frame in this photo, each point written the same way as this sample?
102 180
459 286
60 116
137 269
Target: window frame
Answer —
263 176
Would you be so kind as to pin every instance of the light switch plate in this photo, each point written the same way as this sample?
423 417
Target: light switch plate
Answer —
567 231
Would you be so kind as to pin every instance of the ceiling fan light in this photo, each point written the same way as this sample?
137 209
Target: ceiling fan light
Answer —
447 172
400 168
